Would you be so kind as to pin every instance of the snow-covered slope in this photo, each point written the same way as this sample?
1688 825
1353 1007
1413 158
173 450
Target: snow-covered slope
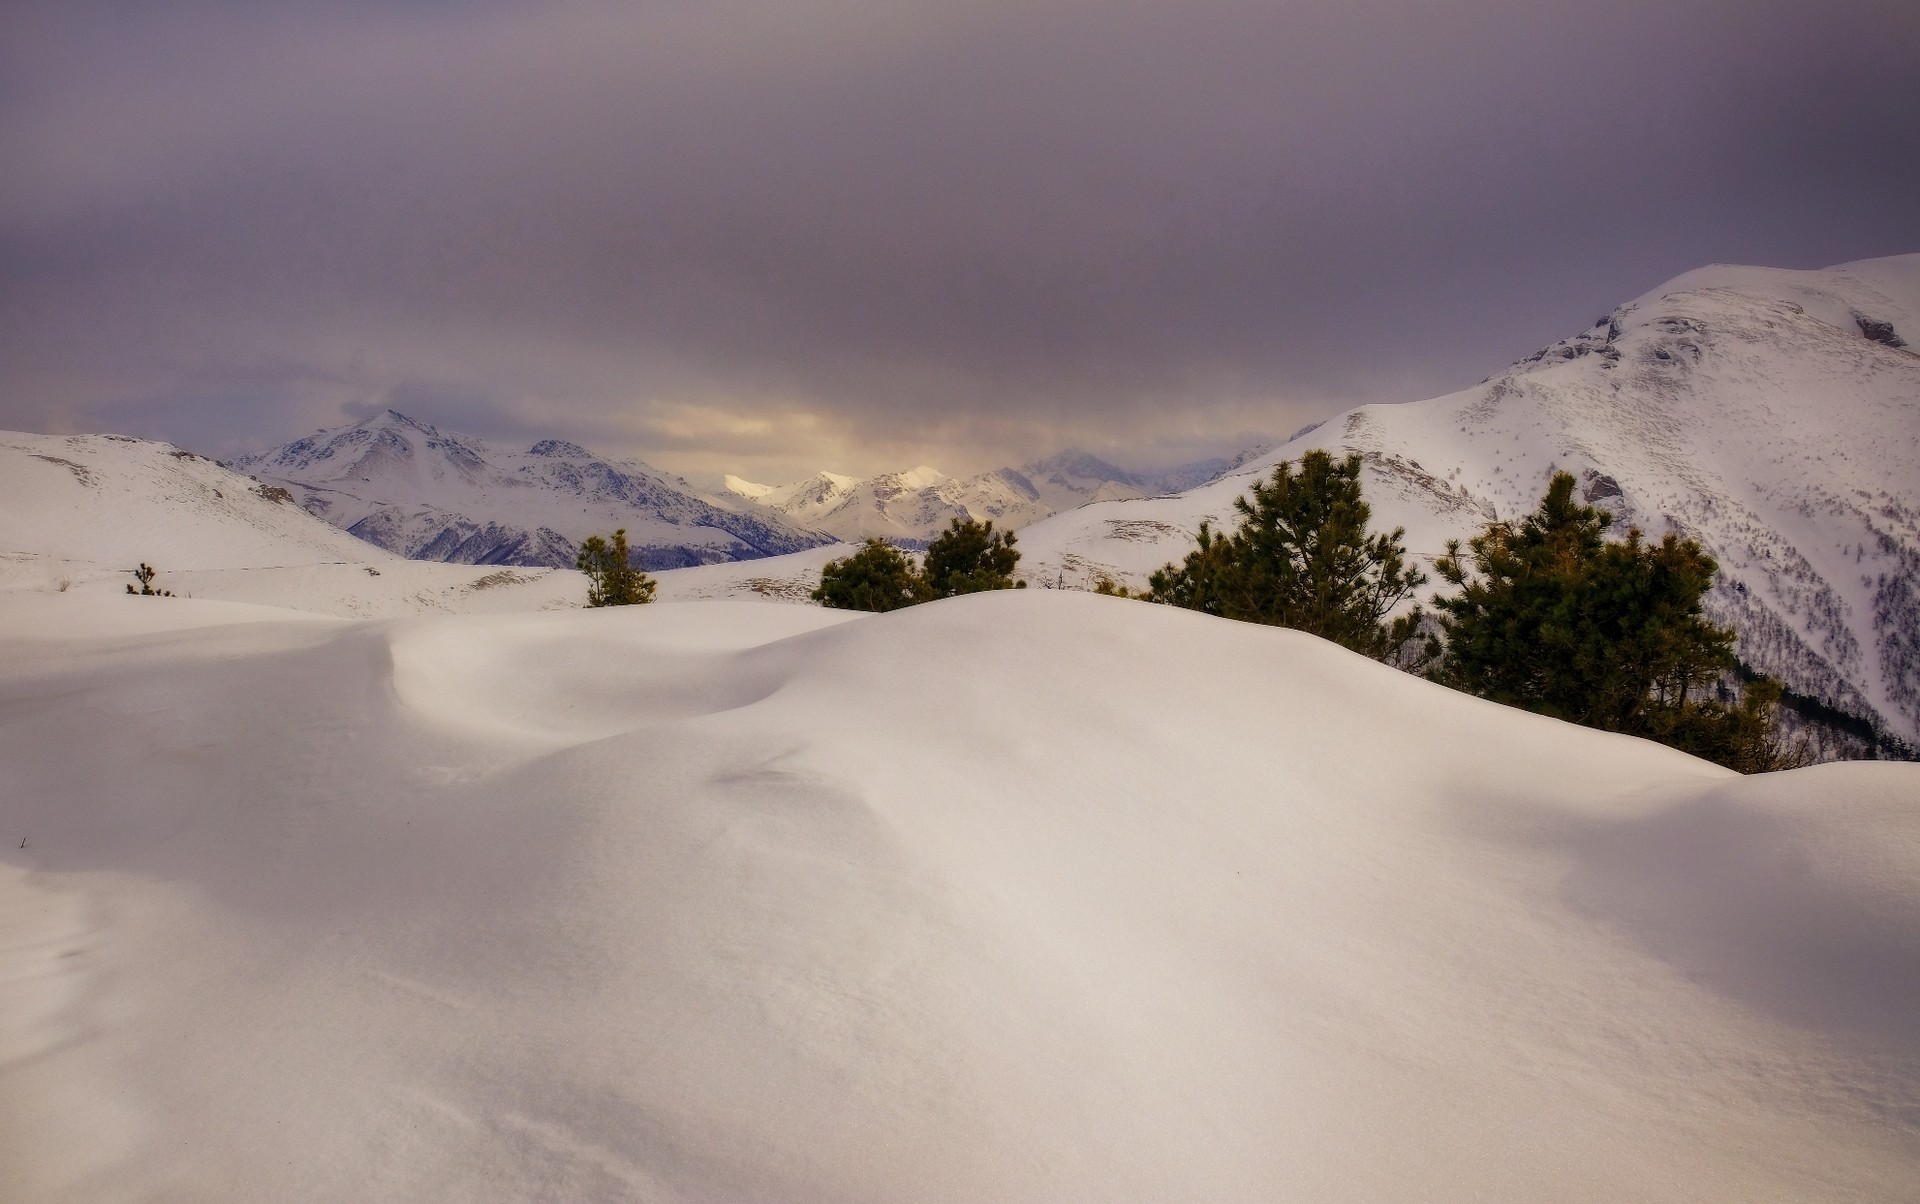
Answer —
430 495
394 588
1772 415
78 514
917 505
722 902
79 506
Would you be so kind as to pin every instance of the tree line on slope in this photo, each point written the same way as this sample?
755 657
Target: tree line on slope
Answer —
1547 614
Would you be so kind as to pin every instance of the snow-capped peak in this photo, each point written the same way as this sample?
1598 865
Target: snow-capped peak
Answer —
428 494
921 477
751 490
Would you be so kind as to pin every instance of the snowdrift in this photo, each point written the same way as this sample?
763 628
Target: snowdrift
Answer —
1018 897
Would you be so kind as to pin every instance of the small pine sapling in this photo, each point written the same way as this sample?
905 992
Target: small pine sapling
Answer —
145 575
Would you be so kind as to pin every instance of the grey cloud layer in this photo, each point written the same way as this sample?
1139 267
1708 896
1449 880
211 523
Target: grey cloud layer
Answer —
750 231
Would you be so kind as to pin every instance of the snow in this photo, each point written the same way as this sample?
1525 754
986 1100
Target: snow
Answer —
346 876
751 490
921 477
78 513
342 876
69 503
1022 896
915 506
422 492
1742 407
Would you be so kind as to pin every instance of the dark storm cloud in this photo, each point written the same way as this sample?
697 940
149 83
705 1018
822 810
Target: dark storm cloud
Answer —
762 234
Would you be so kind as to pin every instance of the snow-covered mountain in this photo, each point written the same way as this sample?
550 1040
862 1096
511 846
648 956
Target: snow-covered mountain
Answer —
81 504
915 506
431 495
908 507
1772 415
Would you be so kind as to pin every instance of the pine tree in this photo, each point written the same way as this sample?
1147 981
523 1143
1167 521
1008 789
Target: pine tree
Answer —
1302 557
878 577
145 575
611 578
1553 617
970 557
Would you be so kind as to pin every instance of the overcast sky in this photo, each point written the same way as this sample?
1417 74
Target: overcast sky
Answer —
771 236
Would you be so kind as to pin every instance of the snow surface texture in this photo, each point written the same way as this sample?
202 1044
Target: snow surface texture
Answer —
432 495
1772 415
915 506
728 902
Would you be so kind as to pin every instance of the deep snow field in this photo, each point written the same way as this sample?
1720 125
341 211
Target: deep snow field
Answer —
1029 896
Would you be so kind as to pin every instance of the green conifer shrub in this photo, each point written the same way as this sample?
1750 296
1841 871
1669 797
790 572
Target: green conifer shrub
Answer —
1553 617
878 577
611 578
145 575
970 557
1302 557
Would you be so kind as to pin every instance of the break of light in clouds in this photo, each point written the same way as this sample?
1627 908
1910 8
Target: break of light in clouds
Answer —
770 237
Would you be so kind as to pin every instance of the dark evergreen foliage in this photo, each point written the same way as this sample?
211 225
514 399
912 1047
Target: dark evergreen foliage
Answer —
1552 617
611 578
145 575
878 577
970 557
1302 557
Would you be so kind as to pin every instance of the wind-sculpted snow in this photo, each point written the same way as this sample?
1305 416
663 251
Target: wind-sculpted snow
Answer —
1748 408
1019 897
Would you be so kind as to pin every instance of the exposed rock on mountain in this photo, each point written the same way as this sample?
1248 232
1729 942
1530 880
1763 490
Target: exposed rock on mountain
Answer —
1755 410
410 488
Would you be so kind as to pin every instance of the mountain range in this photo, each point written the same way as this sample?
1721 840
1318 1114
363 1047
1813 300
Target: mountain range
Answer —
1771 415
913 506
425 494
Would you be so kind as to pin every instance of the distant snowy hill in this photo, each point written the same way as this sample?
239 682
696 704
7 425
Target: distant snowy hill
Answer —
431 495
70 505
1772 415
915 506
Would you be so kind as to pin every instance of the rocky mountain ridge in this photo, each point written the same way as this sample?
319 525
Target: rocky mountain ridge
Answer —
426 494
